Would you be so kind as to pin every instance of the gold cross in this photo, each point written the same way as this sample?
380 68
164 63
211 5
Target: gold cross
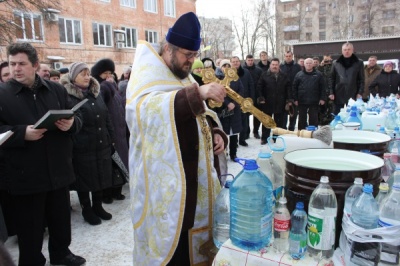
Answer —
246 104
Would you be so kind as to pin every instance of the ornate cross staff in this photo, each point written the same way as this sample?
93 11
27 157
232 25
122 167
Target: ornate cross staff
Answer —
246 104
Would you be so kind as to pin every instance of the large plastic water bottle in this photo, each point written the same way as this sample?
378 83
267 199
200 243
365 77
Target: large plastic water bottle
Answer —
221 222
392 178
390 215
388 167
336 123
366 215
352 193
272 170
354 116
394 149
322 212
251 208
383 193
298 234
281 226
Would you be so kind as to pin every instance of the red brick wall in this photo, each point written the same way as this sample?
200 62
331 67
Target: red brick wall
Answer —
113 13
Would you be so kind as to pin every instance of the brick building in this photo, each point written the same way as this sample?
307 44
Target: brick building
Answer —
87 30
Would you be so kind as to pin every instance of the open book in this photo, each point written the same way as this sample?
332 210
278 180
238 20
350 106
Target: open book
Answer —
49 118
4 136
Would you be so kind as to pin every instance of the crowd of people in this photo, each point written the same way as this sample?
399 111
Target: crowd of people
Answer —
174 141
87 153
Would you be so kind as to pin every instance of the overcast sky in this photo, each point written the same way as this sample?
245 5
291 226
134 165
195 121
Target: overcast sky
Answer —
219 8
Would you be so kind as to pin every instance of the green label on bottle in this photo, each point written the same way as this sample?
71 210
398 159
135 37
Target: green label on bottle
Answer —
321 231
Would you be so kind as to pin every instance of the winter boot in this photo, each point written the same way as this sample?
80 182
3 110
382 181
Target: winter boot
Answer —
97 206
87 211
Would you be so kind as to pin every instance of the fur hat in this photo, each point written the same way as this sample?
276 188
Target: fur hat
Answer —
388 63
63 70
225 61
54 73
102 66
75 69
185 33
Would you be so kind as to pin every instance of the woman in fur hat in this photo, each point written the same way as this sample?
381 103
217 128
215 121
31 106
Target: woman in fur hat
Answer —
92 145
103 71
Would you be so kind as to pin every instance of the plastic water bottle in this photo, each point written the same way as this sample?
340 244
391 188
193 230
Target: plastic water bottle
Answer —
366 215
388 167
354 117
272 170
221 223
352 193
392 178
281 226
391 120
390 215
298 234
336 123
251 208
322 212
383 193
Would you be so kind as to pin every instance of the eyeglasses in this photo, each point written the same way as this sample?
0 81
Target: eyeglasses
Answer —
190 55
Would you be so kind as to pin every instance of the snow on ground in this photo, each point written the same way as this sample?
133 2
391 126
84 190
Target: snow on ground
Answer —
111 242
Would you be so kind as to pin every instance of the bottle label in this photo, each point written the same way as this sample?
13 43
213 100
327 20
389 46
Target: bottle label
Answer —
321 231
281 225
297 246
266 225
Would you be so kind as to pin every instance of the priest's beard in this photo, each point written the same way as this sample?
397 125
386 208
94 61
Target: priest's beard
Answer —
182 70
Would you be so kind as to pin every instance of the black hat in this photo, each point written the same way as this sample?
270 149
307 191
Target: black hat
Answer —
64 70
185 33
101 66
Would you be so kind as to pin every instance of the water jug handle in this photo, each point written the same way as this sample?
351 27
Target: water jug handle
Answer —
272 143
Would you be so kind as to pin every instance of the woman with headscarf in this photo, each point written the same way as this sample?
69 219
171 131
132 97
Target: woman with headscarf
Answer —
92 145
102 72
387 82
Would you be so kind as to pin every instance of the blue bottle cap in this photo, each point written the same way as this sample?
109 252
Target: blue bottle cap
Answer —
353 114
300 205
228 183
368 188
248 164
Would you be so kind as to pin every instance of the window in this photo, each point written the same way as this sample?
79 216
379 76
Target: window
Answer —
293 35
365 17
322 35
366 31
322 23
335 34
351 3
128 3
290 7
102 34
351 18
322 8
388 14
150 6
308 36
388 30
351 33
169 8
308 22
308 8
151 36
390 1
108 1
336 19
28 26
130 37
70 31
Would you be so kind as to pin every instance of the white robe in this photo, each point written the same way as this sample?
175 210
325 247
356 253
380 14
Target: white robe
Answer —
157 177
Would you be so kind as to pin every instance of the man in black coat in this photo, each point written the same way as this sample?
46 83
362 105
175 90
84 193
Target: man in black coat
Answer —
37 163
308 93
290 68
347 77
273 89
255 73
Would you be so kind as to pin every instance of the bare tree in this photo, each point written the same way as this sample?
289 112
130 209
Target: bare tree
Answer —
9 25
217 33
